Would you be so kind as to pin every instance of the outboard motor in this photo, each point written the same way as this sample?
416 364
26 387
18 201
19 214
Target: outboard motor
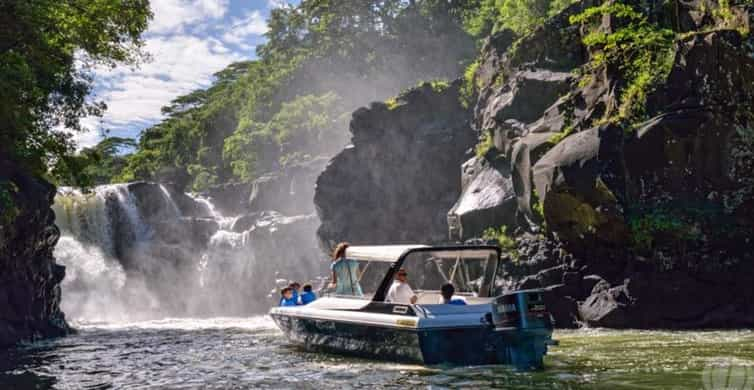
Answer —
521 309
524 325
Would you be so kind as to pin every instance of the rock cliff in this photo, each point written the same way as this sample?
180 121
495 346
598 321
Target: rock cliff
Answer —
626 223
622 173
397 180
29 277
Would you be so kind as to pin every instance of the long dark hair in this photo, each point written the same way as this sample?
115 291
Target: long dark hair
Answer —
340 250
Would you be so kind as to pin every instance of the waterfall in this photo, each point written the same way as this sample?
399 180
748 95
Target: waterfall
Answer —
225 223
95 279
169 200
139 251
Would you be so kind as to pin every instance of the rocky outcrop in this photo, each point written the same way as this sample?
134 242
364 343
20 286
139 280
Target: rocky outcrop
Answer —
626 292
487 197
289 191
646 223
29 277
392 185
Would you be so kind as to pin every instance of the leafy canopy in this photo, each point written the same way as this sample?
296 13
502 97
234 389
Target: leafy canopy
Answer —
322 60
48 49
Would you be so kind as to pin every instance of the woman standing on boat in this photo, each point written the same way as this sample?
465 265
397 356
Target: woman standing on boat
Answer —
345 272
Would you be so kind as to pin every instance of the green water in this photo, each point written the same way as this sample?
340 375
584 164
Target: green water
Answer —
251 353
611 359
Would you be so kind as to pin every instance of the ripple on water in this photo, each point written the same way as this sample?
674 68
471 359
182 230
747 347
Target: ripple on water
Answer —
223 353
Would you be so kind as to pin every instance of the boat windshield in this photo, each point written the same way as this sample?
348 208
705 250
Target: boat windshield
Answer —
471 271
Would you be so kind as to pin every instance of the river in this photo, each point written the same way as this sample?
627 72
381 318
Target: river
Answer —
240 353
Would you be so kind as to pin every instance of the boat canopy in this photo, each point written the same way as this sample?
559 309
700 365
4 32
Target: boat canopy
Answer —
384 253
391 253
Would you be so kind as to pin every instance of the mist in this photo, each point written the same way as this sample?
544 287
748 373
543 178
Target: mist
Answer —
146 251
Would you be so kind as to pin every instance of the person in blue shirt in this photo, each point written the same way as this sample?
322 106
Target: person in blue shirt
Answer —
308 295
295 286
287 297
447 290
345 273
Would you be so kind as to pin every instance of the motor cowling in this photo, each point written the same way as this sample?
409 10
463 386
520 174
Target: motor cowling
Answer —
520 309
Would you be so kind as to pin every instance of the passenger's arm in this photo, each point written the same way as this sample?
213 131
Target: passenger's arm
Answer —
413 298
333 279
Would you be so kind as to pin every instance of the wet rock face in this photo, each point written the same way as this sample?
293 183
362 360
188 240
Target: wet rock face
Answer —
29 277
487 197
623 226
393 184
289 191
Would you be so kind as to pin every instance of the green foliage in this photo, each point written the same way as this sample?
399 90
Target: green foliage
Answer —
482 21
469 87
439 85
557 137
392 103
8 209
322 59
484 145
646 227
746 135
523 16
104 160
47 51
303 128
641 50
538 207
507 244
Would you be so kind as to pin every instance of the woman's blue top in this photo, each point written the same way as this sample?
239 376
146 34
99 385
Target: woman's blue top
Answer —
347 274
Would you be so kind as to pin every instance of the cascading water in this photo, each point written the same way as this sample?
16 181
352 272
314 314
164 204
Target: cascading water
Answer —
88 247
136 251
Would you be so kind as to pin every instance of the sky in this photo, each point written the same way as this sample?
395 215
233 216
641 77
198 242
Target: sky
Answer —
188 41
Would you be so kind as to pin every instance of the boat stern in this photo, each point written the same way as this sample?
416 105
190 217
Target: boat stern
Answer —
522 327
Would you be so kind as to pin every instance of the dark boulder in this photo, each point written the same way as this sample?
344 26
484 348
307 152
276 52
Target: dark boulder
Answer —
391 185
289 191
592 284
487 199
157 202
231 198
524 97
29 277
192 232
571 180
562 307
607 308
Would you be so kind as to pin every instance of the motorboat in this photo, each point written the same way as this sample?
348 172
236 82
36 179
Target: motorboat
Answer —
511 328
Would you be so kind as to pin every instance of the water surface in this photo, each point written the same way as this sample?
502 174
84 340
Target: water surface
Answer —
236 353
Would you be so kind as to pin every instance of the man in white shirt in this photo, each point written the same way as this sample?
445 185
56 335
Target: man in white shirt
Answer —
400 291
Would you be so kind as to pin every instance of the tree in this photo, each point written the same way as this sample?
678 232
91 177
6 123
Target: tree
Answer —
48 50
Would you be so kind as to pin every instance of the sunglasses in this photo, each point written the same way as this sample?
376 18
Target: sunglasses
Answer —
402 274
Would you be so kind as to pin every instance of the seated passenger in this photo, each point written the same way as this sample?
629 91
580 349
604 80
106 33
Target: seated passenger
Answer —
345 273
400 291
287 297
447 290
295 286
308 295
